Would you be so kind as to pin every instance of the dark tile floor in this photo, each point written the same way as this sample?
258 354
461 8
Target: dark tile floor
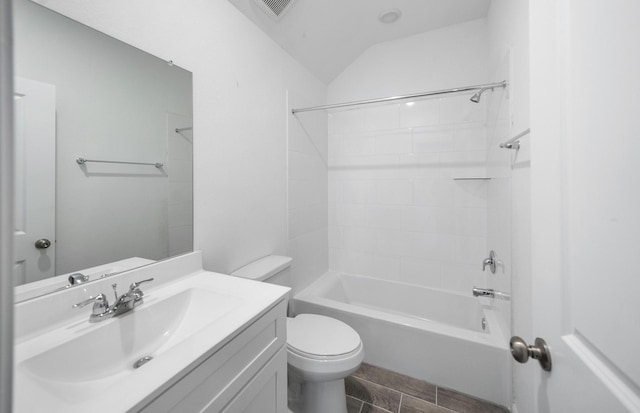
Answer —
372 389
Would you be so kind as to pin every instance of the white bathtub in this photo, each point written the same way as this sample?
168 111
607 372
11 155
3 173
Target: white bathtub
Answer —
429 334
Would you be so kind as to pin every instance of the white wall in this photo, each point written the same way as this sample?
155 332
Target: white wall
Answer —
508 23
113 103
240 82
394 209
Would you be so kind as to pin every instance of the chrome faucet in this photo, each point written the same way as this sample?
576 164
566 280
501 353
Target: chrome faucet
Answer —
491 262
78 278
490 293
123 304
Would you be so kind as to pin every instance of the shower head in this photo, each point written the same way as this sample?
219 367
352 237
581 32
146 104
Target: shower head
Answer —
476 96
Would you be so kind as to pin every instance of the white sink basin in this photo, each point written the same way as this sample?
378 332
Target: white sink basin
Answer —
111 347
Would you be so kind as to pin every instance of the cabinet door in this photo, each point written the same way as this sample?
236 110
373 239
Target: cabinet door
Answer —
265 393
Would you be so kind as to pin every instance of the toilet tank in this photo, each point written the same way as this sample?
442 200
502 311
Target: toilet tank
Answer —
273 269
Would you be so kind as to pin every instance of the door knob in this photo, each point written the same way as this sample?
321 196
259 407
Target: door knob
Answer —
43 243
540 351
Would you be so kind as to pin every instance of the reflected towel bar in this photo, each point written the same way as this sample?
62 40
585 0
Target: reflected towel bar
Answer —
514 142
82 161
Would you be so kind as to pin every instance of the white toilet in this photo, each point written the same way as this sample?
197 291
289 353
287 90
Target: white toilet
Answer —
321 350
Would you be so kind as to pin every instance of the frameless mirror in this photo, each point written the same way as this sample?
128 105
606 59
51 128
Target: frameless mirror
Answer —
104 154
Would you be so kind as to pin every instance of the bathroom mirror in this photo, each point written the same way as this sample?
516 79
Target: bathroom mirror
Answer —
82 94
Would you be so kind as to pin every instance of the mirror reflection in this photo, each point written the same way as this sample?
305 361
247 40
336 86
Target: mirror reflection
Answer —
82 94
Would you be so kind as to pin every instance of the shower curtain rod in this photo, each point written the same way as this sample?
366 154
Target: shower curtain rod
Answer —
402 97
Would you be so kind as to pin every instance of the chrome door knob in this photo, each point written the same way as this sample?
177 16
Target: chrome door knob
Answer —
43 243
540 351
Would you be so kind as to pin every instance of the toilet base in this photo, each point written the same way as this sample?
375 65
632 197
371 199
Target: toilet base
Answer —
324 396
315 397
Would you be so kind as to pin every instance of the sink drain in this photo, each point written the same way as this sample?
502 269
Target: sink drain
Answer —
141 362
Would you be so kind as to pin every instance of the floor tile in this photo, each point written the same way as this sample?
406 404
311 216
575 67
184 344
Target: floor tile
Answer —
354 405
368 408
412 405
466 404
373 394
414 387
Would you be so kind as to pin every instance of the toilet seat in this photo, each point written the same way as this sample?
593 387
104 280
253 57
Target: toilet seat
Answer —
321 338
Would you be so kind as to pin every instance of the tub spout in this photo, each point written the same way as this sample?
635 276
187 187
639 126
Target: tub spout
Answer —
490 293
483 292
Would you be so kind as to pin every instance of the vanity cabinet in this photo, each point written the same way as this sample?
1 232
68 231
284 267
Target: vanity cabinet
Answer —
248 374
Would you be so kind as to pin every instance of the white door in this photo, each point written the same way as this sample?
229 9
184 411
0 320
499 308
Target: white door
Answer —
35 180
585 177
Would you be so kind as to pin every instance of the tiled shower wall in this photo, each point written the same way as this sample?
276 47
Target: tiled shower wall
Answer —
397 207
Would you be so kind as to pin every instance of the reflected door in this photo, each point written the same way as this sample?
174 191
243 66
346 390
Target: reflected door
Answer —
35 181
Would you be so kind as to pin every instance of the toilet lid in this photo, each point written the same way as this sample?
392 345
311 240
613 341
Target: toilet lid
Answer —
321 336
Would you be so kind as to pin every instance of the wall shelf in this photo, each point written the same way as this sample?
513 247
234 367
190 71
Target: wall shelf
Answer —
471 179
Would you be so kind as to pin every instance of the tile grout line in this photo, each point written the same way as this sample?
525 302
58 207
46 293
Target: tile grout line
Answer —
400 404
378 384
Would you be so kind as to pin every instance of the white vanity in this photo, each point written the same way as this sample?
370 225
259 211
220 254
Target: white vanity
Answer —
216 343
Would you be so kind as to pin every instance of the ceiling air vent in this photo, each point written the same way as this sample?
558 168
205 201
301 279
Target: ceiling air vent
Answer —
274 8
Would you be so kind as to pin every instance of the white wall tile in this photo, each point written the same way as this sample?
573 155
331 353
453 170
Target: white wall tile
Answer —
346 145
470 194
394 192
307 219
470 250
433 141
424 165
359 239
306 192
470 138
384 117
433 192
341 122
350 215
470 221
383 216
421 272
462 277
459 109
399 142
335 236
433 220
357 192
419 113
463 164
393 241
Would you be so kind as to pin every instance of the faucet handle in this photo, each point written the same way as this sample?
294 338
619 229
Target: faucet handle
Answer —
491 262
99 303
136 284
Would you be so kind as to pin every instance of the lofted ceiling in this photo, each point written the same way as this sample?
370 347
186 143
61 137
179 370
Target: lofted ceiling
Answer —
327 35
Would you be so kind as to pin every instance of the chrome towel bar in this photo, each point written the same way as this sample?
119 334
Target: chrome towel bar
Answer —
82 161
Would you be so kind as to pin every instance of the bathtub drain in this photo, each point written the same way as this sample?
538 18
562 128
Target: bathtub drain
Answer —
144 360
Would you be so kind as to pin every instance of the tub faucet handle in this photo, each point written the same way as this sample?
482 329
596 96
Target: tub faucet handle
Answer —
491 262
